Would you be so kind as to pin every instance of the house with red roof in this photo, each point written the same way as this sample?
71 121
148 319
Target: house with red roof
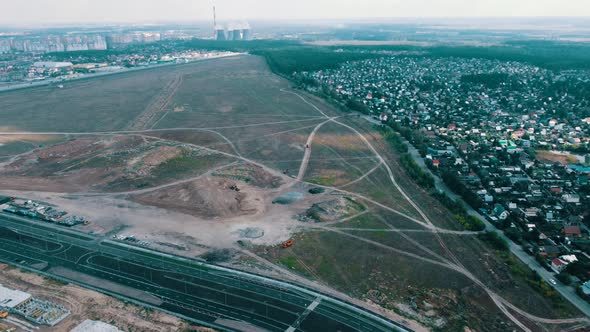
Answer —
558 265
571 231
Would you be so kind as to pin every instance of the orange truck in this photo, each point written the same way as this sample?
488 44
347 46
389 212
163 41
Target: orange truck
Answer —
3 314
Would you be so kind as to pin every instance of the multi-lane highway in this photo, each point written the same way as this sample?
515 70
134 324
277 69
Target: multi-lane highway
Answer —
211 295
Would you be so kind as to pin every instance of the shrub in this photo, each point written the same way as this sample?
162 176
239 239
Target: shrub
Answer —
494 240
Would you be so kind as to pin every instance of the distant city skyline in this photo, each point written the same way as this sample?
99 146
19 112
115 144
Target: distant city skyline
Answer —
56 12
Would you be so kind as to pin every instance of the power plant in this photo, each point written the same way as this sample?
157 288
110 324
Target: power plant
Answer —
232 31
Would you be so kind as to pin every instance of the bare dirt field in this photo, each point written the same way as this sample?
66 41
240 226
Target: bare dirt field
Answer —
563 158
224 161
110 163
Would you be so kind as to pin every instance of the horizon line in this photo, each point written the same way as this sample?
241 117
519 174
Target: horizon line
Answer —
277 20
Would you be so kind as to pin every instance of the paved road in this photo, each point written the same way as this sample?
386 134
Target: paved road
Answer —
566 291
210 295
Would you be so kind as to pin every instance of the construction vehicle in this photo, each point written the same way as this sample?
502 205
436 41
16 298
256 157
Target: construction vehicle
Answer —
3 314
287 244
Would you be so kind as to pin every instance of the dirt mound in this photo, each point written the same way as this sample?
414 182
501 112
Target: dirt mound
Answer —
54 154
142 165
333 210
114 164
73 154
251 174
206 198
288 198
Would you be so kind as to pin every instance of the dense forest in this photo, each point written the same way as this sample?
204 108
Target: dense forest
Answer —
546 54
289 61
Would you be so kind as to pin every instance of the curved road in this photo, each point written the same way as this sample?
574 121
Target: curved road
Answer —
210 295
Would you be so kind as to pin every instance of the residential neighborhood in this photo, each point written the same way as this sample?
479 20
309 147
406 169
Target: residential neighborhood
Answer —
511 138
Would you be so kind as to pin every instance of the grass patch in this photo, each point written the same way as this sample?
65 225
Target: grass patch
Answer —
316 190
291 263
363 221
324 180
234 177
533 279
13 148
54 282
494 240
185 164
470 222
178 164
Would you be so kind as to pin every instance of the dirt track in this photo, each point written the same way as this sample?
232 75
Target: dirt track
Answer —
213 229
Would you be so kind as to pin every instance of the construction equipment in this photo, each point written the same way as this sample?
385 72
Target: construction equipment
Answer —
287 244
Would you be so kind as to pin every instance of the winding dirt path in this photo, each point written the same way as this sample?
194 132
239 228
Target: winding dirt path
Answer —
145 131
455 265
452 263
363 176
307 154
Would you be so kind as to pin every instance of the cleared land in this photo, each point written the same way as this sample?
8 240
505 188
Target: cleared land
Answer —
224 161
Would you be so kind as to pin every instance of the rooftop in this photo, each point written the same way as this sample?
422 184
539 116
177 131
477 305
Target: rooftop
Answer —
94 326
10 298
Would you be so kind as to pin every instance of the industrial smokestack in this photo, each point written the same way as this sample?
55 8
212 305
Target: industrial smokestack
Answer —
214 24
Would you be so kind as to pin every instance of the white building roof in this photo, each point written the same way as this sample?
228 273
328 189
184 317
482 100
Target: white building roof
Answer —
52 64
569 258
95 326
10 298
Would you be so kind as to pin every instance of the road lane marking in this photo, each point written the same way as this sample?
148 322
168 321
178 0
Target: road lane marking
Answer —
304 315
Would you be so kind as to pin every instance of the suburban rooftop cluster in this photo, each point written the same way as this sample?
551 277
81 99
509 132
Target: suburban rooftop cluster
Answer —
511 138
31 68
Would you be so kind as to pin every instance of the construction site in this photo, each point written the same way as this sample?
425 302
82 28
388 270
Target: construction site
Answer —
225 162
35 310
88 309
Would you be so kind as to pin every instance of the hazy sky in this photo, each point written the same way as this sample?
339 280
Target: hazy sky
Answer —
99 11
